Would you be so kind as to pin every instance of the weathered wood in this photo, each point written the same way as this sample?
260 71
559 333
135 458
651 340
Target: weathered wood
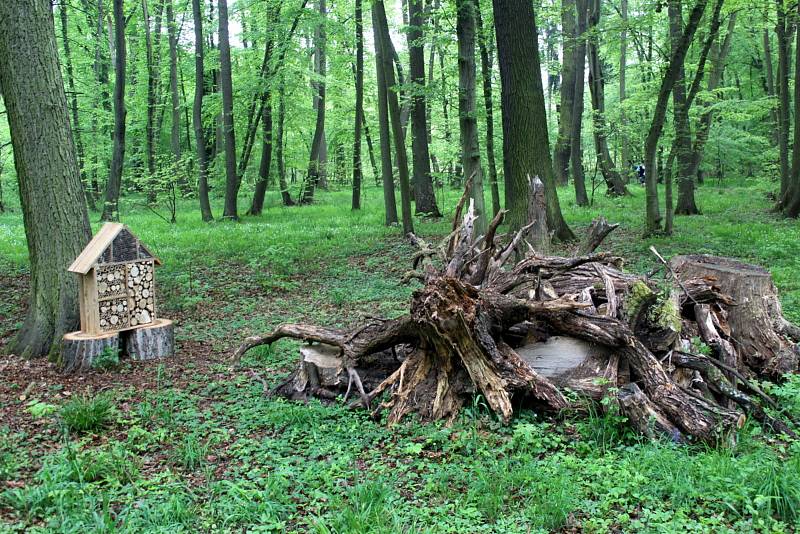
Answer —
644 416
598 231
756 321
78 349
537 213
152 342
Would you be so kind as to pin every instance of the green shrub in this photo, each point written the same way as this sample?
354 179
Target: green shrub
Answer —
84 413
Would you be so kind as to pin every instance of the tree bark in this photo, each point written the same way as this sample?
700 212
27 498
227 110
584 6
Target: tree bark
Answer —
175 134
152 85
488 103
561 153
398 137
318 158
359 118
424 196
197 112
286 197
678 54
576 128
389 202
467 120
111 206
526 148
784 55
623 63
680 112
76 128
597 82
229 134
53 206
264 166
792 208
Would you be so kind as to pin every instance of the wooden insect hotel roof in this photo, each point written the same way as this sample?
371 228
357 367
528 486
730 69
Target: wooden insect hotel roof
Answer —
114 243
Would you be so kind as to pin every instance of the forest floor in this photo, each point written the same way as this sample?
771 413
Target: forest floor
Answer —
191 443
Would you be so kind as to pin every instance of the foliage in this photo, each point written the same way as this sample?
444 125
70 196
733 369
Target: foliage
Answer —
108 359
84 413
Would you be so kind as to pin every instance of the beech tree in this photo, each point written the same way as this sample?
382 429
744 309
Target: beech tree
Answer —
111 205
229 135
53 207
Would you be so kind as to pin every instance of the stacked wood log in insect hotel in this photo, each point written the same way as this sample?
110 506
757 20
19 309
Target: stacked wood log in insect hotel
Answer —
679 357
117 302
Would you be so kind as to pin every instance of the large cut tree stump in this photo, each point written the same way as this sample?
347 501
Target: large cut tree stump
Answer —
151 342
758 330
79 350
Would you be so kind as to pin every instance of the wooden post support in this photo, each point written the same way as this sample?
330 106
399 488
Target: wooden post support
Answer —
78 349
151 342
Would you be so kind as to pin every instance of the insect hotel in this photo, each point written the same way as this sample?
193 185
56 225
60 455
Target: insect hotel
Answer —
118 308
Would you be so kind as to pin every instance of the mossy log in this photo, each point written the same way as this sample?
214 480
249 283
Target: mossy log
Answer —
475 321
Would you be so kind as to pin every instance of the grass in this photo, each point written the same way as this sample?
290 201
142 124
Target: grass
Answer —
202 450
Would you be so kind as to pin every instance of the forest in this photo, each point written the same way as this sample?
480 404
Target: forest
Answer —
399 266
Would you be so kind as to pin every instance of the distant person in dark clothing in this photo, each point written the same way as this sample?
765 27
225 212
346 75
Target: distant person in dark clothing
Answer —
640 172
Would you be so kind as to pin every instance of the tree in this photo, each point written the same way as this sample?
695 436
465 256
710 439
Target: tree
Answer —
386 64
486 74
677 55
359 115
526 149
597 89
563 143
576 128
317 160
784 57
229 135
153 75
53 209
76 128
111 206
197 112
424 196
792 203
623 64
467 120
175 134
389 201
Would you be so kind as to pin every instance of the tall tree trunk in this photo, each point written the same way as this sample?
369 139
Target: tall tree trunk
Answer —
175 134
229 134
318 159
597 89
678 54
424 196
379 16
390 204
576 127
680 111
467 120
371 150
111 206
286 197
784 52
623 63
197 112
769 78
718 59
359 119
486 73
152 88
526 148
569 71
792 208
76 128
53 208
257 206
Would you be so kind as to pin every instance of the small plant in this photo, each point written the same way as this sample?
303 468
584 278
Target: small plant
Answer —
192 452
107 360
84 413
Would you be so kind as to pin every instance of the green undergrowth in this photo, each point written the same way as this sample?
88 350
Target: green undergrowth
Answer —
217 456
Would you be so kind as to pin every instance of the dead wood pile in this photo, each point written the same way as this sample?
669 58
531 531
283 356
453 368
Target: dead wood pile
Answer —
680 353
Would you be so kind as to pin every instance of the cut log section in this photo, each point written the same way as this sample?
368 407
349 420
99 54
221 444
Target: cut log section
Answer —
79 350
151 342
757 328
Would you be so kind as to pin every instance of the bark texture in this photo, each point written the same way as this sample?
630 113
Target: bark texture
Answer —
111 205
231 210
53 207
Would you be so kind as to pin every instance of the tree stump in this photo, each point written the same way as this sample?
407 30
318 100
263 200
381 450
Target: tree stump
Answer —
151 342
78 350
757 327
